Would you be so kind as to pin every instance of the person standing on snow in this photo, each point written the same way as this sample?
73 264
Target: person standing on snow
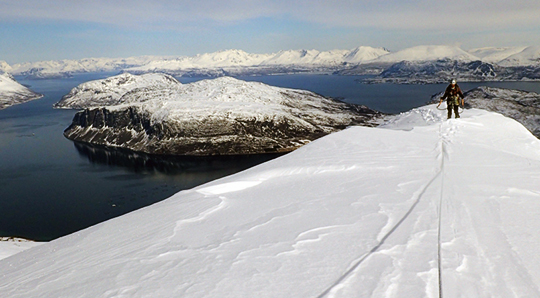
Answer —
453 95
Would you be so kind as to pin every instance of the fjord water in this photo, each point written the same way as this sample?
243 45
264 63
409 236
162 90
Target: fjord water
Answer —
50 186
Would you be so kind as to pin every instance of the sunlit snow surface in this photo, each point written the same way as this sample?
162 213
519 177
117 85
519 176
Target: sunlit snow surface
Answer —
423 207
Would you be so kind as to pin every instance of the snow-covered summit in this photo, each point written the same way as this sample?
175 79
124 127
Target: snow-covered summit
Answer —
110 91
4 67
429 208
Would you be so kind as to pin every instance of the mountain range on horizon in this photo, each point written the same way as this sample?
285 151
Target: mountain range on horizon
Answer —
306 60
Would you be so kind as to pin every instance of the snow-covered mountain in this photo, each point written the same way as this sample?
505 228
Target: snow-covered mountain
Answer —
12 93
211 117
421 208
238 61
518 62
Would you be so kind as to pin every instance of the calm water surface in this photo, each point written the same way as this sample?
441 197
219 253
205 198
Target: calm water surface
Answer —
50 186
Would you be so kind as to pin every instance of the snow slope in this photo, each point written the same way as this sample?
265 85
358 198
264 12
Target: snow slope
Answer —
428 53
495 55
12 93
10 246
419 208
4 67
529 56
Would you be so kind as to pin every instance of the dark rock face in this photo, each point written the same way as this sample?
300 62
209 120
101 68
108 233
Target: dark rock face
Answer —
132 129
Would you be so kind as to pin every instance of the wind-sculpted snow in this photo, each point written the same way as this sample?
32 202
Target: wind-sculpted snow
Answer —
224 116
422 207
12 93
519 105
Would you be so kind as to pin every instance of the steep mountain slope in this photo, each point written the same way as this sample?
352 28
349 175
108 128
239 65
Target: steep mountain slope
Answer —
423 208
224 116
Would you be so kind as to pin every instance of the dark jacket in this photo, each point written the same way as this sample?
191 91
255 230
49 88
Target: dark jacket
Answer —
452 91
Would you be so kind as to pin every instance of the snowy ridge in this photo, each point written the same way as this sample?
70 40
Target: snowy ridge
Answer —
421 208
63 68
12 93
495 55
428 53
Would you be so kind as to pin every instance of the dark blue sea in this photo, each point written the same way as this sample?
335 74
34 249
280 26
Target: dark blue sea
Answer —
51 186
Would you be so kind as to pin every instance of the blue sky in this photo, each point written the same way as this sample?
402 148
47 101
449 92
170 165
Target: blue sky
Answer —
34 30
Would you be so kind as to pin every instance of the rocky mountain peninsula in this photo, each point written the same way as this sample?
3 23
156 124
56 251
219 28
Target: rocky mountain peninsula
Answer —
156 114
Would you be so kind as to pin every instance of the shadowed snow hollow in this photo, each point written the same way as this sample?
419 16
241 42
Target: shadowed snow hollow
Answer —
420 208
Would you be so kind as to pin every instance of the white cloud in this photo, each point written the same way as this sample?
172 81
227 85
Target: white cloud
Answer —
393 14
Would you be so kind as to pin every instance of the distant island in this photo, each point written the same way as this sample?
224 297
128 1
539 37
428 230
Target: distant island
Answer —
156 114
